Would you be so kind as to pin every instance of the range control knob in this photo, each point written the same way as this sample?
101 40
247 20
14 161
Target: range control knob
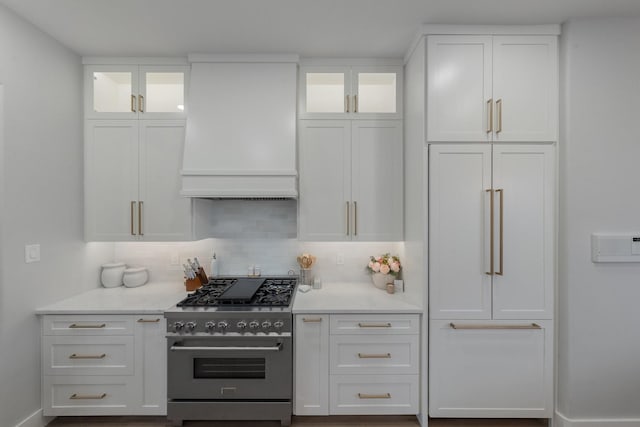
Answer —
278 324
191 326
254 324
242 324
210 326
266 324
223 325
178 326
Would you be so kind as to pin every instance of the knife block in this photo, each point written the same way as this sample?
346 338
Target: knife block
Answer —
192 284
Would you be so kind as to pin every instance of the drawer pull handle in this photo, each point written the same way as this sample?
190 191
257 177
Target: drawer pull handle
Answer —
312 320
76 326
76 396
148 320
88 356
374 356
374 396
529 326
374 325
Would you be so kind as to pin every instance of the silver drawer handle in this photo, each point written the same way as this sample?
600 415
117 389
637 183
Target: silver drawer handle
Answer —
374 396
312 320
529 326
76 396
76 326
88 356
181 348
374 356
374 325
148 320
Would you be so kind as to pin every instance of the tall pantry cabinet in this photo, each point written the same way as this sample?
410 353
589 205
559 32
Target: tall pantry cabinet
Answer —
489 137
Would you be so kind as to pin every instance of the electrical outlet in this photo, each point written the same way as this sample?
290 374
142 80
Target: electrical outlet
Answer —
340 259
32 253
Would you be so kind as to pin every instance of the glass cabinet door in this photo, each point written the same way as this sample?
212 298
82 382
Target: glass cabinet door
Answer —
163 91
326 92
112 91
376 92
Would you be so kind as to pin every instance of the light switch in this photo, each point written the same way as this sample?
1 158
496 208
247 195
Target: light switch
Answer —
615 247
32 253
635 245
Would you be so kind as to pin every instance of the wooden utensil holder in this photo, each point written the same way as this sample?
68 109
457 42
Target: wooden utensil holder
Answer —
192 284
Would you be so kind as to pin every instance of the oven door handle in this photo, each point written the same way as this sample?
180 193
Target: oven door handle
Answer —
207 348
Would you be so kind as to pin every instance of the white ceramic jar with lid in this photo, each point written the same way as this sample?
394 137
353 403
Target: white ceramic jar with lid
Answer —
112 274
135 276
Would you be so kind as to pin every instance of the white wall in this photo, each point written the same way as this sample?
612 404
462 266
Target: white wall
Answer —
598 315
41 202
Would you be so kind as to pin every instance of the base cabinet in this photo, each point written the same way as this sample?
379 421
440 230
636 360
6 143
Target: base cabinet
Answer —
356 364
103 365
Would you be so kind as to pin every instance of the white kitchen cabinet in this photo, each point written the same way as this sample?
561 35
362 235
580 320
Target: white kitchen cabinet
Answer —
350 92
132 91
350 180
500 369
508 275
357 364
103 365
492 88
311 355
132 181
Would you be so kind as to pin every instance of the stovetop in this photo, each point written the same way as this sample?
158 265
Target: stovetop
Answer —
243 292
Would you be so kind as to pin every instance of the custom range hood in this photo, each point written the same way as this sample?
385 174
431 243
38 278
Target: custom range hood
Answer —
241 127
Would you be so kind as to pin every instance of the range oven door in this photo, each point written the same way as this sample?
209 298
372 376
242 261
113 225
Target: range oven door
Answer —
229 367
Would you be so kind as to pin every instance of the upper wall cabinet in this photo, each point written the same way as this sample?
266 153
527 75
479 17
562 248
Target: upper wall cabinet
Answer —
135 91
339 92
492 88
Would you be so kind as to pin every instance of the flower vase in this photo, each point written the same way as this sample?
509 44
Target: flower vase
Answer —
380 280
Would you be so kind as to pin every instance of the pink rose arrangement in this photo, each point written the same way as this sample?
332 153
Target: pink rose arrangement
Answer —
385 264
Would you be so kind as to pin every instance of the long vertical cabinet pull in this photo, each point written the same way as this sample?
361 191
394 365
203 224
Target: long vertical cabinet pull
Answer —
491 271
501 253
347 218
346 103
490 115
355 103
355 218
133 206
499 114
140 204
141 103
133 103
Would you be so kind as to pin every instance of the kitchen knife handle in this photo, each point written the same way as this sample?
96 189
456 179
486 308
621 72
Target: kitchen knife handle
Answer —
346 103
140 204
501 253
490 272
141 103
133 103
133 205
347 218
490 115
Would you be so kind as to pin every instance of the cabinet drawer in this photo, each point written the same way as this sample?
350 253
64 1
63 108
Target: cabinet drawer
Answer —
375 324
88 355
386 354
374 394
475 368
87 325
91 395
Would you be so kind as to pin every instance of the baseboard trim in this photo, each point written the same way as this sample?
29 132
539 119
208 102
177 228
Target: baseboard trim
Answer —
561 421
35 420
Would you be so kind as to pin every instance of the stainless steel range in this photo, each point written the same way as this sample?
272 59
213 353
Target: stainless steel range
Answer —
230 351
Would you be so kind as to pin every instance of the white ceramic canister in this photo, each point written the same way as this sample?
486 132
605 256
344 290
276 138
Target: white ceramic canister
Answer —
134 277
112 274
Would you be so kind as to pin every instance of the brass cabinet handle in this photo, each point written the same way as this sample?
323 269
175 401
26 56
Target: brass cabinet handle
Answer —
374 356
501 253
346 103
141 103
347 218
312 319
374 396
133 205
374 325
477 326
490 272
76 396
499 114
133 103
140 203
490 115
76 326
87 356
355 218
148 320
355 103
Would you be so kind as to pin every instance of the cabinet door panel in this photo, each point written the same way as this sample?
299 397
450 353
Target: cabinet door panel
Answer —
525 70
109 91
459 176
111 179
311 364
526 174
490 372
151 356
325 179
377 180
165 214
458 88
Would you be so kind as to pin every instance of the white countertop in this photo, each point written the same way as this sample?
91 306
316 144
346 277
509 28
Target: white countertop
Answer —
154 297
356 297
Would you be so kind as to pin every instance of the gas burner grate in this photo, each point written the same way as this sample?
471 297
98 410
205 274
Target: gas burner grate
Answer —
273 292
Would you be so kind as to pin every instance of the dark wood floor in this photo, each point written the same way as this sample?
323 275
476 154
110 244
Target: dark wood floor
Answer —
333 421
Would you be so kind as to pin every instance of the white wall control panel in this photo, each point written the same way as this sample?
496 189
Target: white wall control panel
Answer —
615 247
